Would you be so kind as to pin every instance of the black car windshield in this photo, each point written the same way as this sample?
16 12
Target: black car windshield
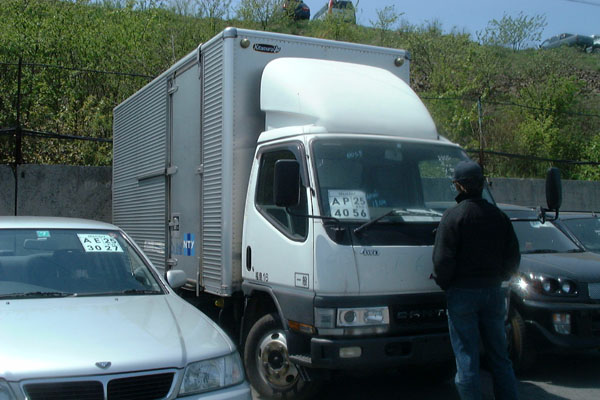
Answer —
586 230
70 262
535 237
360 180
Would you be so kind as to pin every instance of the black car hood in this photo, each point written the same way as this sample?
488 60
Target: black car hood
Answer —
584 266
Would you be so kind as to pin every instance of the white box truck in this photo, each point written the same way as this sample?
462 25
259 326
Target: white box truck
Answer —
297 183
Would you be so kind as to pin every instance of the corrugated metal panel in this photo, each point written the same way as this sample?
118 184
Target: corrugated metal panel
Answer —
140 150
212 159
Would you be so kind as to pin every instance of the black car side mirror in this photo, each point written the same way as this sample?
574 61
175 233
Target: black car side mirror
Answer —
553 189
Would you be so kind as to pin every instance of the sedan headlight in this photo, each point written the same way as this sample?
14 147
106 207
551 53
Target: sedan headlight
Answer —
5 392
212 374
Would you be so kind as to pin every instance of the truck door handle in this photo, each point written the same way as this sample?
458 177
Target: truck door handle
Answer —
249 258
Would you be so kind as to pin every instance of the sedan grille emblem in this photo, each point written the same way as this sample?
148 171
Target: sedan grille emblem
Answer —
103 364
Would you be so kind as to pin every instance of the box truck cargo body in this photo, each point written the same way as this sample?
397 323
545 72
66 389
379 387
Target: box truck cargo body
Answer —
297 183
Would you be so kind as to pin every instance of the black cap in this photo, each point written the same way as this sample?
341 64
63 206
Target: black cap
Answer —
468 170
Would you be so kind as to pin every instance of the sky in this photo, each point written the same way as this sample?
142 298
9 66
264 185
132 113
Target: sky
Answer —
562 16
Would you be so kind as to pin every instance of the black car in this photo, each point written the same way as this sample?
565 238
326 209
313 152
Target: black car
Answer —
582 227
568 39
296 9
555 298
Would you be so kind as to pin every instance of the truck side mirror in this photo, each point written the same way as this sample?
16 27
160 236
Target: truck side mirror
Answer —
553 189
286 184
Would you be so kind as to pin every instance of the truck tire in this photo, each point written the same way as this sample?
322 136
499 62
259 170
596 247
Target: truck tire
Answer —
520 346
267 364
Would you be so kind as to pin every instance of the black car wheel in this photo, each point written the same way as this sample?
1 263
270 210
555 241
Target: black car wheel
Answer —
521 349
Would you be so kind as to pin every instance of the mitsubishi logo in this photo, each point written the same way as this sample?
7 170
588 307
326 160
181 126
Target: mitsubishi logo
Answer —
103 364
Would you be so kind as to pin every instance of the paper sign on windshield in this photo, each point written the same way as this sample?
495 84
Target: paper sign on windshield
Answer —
99 243
348 204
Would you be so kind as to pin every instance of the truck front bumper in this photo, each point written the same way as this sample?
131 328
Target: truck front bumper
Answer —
332 353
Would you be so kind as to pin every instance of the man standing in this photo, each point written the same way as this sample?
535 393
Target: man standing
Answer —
475 250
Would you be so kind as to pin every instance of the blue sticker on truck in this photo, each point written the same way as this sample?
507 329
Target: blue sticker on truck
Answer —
185 247
188 244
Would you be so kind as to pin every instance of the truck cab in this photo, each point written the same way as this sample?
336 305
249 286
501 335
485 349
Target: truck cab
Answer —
340 221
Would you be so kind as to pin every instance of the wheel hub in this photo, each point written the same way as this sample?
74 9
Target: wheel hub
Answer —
274 363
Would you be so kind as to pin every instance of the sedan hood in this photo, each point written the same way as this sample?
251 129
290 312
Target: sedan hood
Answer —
68 336
583 267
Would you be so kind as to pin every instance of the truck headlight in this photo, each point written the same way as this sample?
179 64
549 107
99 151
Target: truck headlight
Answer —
5 392
212 374
352 321
356 317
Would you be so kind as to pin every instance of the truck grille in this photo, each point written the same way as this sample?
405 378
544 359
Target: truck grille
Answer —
140 387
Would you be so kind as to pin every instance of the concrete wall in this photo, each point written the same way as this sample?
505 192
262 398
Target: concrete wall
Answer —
85 192
576 195
57 190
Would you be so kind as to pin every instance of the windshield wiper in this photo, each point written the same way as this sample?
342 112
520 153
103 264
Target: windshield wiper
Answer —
373 221
402 212
139 291
541 251
36 294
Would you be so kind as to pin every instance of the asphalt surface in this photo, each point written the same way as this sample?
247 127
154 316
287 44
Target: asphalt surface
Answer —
555 377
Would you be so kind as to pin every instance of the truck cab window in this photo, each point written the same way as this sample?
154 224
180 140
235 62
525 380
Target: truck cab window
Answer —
293 224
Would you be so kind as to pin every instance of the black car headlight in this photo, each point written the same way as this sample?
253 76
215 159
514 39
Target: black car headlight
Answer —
546 285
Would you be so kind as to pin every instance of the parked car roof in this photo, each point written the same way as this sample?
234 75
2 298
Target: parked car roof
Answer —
32 222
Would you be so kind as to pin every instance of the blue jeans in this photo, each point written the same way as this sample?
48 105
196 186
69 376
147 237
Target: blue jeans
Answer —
475 314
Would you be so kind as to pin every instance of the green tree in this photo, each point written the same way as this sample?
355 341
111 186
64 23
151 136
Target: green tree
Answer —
387 20
516 33
261 12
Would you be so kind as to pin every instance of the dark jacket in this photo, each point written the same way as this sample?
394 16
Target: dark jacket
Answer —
475 245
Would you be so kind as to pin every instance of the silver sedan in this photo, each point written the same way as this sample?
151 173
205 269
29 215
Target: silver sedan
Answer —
84 315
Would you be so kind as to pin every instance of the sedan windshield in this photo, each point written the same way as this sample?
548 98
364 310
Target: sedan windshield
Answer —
535 237
362 180
68 262
586 230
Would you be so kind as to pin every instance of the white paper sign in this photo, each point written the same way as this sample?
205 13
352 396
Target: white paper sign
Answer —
92 242
348 204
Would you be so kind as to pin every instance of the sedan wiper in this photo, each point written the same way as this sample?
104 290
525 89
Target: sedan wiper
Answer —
541 251
140 291
575 251
36 294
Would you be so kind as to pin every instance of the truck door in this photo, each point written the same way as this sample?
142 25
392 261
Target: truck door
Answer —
278 248
183 172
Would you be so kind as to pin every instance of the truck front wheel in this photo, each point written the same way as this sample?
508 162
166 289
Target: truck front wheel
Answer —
267 363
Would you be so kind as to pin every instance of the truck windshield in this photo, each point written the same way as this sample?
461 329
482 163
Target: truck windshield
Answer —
361 180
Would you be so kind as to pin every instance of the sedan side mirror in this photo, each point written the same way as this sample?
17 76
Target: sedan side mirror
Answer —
176 278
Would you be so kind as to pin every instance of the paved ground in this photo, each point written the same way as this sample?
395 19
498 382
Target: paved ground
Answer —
564 377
